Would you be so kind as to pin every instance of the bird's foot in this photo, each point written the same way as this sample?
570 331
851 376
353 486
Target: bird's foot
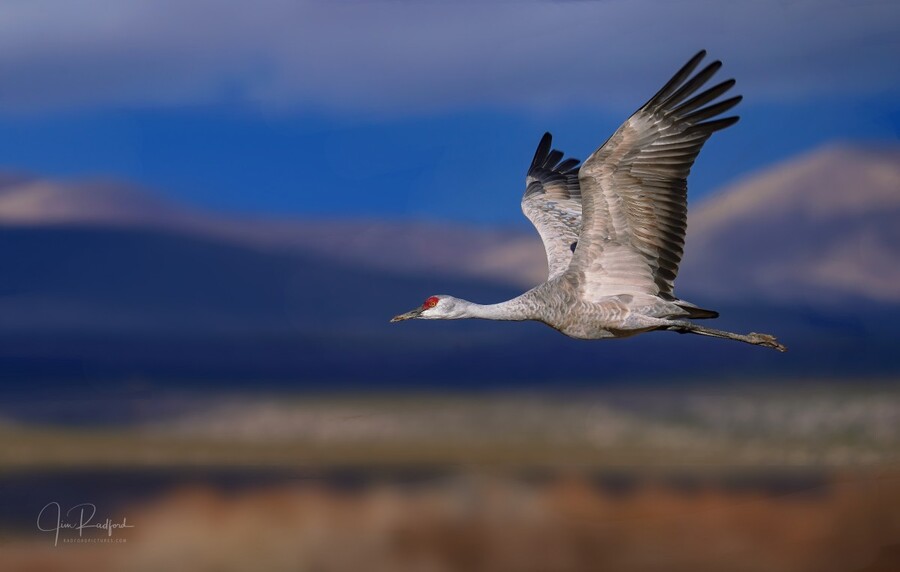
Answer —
766 341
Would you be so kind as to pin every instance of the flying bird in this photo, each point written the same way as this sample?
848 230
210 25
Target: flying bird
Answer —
613 228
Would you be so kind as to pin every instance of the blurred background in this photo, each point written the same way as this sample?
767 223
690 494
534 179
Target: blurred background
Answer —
210 210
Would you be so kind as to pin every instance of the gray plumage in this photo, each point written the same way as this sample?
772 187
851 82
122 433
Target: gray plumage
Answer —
613 229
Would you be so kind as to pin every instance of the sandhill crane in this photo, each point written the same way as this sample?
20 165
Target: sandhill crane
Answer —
613 229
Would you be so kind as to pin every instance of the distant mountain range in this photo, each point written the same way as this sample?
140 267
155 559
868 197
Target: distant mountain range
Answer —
822 225
825 226
103 280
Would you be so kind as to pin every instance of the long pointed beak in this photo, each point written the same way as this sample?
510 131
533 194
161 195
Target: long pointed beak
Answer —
409 315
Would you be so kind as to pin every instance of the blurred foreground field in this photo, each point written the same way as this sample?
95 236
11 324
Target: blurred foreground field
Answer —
788 477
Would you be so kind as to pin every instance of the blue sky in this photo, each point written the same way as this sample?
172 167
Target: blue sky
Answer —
414 109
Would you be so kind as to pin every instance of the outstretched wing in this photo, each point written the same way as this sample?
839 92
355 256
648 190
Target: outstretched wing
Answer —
634 187
552 202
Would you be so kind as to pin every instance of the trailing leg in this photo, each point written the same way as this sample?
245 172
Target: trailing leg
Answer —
764 340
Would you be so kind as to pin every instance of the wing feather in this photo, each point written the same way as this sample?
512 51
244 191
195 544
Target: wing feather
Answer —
552 202
634 187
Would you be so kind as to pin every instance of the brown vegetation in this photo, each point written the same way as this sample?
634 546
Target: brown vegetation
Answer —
490 522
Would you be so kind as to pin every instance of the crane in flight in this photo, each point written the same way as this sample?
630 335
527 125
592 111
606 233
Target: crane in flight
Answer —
613 228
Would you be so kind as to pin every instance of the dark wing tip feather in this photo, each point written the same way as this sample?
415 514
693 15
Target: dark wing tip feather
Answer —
691 85
675 82
700 100
554 157
568 165
712 110
543 149
717 125
550 166
679 98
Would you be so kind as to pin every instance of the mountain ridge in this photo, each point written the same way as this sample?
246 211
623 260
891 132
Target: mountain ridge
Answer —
784 233
825 225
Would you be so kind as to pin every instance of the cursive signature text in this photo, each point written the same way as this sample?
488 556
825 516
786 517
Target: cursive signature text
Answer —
50 519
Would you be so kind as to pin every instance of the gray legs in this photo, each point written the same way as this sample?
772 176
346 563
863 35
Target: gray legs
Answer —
764 340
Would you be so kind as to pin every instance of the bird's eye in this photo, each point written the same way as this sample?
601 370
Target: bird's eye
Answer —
431 302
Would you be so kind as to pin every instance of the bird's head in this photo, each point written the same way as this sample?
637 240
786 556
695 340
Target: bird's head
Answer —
439 307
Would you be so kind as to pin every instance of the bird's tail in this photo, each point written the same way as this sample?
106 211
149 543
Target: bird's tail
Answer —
696 312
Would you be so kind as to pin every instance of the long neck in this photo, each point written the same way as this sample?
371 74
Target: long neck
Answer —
516 309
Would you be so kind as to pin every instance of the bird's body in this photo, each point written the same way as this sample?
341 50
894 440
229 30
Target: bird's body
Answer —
613 228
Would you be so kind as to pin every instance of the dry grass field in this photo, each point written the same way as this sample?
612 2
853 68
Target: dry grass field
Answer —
477 522
742 479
